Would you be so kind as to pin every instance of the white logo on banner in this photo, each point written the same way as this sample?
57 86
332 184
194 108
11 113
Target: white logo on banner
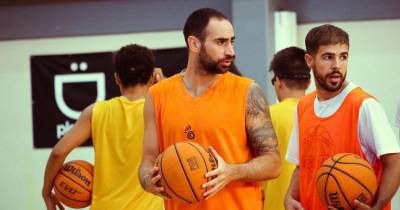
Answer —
60 80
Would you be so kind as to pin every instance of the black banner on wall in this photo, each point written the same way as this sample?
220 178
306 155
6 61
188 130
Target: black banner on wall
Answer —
63 85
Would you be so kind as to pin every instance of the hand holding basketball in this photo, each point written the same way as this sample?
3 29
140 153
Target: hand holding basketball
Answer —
51 202
344 178
73 184
223 174
362 206
151 181
292 204
359 206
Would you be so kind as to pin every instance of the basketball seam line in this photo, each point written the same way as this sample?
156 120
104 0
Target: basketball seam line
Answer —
352 178
165 180
205 163
344 196
183 168
358 164
71 198
65 175
329 173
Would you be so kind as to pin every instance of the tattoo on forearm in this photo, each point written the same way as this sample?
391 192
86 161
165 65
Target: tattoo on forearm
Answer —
260 133
263 141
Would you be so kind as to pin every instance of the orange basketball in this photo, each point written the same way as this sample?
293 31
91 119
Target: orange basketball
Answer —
183 167
343 178
73 184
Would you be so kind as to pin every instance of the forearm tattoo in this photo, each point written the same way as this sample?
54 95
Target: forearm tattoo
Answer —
260 133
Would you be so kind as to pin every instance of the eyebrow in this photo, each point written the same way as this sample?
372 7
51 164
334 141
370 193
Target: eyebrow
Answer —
224 39
329 53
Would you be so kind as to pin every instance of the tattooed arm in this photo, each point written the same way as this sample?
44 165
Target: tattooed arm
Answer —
262 140
261 137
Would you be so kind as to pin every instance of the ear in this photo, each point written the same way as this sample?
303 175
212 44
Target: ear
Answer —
194 44
278 82
117 79
309 60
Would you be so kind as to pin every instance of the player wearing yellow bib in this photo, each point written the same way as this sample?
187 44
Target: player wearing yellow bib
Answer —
291 79
116 127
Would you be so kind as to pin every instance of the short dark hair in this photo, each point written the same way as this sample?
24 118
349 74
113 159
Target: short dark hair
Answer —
290 66
325 35
197 22
134 64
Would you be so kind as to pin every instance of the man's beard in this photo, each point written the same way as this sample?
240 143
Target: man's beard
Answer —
327 86
213 66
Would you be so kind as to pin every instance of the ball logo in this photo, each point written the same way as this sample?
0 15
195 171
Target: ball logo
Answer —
68 189
189 132
192 162
77 172
362 197
335 202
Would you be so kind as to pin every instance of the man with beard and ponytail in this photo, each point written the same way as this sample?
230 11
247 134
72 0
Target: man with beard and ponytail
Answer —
225 112
338 117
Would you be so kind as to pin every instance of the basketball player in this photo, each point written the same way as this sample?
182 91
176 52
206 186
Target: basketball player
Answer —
338 117
291 79
116 127
222 110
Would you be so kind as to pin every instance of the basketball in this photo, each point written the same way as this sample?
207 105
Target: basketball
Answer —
73 184
183 167
343 178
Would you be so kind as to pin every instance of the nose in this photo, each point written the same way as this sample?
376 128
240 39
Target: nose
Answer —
336 63
229 51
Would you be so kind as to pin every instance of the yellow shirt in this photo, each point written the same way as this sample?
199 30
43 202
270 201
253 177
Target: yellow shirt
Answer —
117 132
282 115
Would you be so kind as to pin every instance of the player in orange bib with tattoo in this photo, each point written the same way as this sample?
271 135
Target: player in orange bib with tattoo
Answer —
209 105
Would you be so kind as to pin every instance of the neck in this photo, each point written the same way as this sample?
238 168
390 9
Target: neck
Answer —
291 93
197 79
133 93
324 95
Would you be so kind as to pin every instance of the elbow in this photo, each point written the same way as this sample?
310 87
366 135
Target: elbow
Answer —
58 153
276 171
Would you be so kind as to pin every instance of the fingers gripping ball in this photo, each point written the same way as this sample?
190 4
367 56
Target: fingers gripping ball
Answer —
343 178
73 184
183 167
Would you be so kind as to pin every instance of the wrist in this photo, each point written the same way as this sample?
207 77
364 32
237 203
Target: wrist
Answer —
235 172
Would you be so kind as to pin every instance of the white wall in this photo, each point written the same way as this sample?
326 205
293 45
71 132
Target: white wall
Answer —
22 166
373 62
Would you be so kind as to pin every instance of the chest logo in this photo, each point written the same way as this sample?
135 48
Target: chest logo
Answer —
189 132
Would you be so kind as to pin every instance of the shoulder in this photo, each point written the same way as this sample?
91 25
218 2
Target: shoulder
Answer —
256 99
86 114
255 90
285 105
165 83
371 105
241 80
103 103
307 99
